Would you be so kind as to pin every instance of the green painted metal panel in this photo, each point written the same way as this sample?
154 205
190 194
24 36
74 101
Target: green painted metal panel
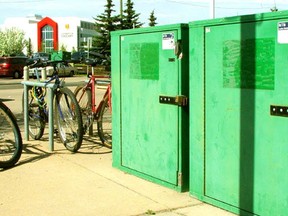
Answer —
243 145
148 127
61 55
196 111
151 137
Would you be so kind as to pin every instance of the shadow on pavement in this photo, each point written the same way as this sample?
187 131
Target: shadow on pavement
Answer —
32 153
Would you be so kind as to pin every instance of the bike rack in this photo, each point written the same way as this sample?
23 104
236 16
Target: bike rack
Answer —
50 96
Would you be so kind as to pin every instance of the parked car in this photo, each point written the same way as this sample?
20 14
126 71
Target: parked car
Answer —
12 66
41 55
78 57
64 69
82 57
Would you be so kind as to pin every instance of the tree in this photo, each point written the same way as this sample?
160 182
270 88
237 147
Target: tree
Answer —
12 42
63 47
130 17
29 48
274 9
73 50
152 19
105 23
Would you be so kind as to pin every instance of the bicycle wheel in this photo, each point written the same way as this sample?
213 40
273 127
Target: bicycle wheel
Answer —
104 123
10 138
84 98
36 114
68 119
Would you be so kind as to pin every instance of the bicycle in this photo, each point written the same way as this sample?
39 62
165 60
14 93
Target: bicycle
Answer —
102 114
10 138
67 112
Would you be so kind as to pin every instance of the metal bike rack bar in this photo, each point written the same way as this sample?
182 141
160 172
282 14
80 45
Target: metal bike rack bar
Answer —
50 96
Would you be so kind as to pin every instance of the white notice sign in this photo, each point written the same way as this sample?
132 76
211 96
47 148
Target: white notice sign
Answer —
168 41
283 32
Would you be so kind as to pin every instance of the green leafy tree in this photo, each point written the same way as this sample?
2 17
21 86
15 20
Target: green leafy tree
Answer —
63 47
105 23
73 50
152 19
130 18
29 48
12 42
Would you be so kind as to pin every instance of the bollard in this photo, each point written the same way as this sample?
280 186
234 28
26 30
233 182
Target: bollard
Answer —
87 70
25 110
26 73
43 73
93 72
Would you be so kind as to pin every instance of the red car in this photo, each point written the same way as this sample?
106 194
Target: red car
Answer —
12 66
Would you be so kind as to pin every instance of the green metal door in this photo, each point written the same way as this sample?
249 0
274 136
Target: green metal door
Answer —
245 146
149 129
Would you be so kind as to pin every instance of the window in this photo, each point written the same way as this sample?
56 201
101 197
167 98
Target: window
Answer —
87 25
47 39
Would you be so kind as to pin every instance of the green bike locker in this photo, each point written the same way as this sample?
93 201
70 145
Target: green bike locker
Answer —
150 111
238 129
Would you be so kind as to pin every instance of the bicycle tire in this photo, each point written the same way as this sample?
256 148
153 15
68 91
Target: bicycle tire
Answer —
68 119
104 123
84 99
37 116
10 138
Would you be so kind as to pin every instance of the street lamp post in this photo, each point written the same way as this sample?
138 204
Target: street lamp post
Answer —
212 9
121 9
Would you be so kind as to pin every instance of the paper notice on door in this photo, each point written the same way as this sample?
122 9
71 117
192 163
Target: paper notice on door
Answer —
168 41
283 32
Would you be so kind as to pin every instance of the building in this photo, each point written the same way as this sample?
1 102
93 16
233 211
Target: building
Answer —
47 34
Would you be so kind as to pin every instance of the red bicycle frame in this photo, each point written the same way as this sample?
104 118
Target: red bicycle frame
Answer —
91 84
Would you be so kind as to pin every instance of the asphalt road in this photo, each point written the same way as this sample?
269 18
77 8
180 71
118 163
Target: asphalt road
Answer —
9 83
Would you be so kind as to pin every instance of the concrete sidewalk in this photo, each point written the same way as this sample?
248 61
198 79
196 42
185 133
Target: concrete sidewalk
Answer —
85 183
60 183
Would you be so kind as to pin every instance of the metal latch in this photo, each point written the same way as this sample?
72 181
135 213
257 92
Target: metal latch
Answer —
279 110
179 100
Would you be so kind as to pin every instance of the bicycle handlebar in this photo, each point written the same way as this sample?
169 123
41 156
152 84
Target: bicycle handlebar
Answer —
32 63
40 63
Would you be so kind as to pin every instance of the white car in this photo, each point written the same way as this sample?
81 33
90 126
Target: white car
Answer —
64 69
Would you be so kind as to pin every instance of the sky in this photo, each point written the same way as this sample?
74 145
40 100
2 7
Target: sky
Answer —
166 11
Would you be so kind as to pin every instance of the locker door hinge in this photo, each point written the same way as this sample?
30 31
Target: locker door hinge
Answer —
179 100
180 179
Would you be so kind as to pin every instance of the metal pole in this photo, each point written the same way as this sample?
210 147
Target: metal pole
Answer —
88 44
212 9
121 9
25 108
51 119
26 117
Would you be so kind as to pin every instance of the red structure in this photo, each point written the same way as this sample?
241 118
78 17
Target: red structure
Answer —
41 25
